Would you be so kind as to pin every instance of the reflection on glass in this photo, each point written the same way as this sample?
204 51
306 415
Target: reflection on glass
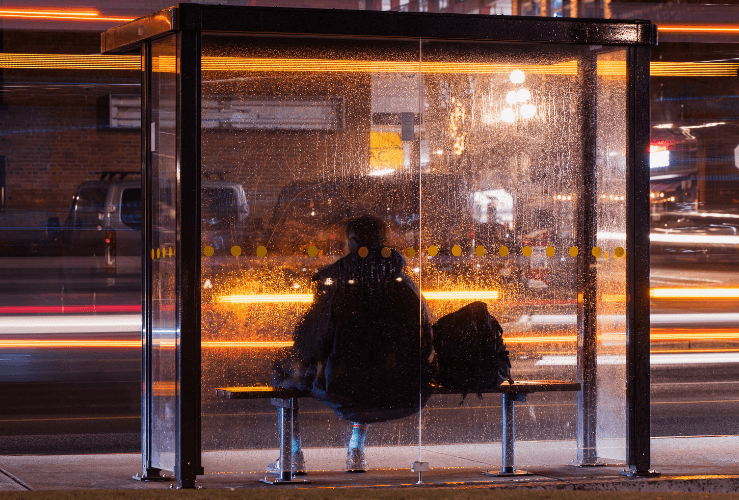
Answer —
163 244
473 158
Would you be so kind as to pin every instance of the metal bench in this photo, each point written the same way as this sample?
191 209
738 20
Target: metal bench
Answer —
285 400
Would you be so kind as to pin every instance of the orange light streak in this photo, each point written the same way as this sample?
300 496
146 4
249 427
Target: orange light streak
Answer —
68 344
538 340
52 14
274 298
470 295
168 64
116 344
699 28
307 298
689 336
694 293
69 61
246 345
253 388
357 66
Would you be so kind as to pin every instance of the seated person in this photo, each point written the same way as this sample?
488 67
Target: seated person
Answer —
360 349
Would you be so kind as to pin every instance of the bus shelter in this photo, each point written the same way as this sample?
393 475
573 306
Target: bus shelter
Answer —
508 157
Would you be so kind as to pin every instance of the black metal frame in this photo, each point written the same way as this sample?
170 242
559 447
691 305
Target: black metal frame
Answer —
188 21
637 266
587 230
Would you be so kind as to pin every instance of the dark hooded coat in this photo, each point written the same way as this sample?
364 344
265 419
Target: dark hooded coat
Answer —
372 331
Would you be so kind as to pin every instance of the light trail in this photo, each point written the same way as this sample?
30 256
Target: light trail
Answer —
270 298
246 344
462 295
307 298
694 293
238 64
54 14
69 309
73 323
68 344
654 359
706 29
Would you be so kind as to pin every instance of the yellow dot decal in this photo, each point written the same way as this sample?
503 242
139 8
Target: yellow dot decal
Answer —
159 253
433 250
363 252
573 251
410 252
171 251
618 252
208 251
261 251
152 254
236 251
312 251
527 251
605 255
550 251
596 252
456 250
385 252
480 250
503 251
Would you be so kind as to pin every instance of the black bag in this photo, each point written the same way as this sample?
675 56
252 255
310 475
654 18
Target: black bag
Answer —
470 353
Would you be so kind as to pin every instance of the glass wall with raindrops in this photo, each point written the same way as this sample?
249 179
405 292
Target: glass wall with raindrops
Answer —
362 188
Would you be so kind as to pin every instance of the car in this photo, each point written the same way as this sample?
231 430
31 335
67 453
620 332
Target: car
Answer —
101 236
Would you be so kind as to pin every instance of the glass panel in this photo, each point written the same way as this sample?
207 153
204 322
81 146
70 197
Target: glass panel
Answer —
611 145
163 248
505 133
298 138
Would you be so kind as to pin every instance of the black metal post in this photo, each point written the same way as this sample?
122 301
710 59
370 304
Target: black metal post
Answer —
637 266
587 369
187 446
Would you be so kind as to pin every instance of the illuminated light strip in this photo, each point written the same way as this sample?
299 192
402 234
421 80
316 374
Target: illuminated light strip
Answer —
276 298
686 238
51 14
539 340
654 359
471 295
67 344
689 336
307 298
68 309
92 344
246 344
355 66
168 64
73 323
69 61
697 28
694 293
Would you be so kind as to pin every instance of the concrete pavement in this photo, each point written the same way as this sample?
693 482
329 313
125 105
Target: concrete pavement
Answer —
693 464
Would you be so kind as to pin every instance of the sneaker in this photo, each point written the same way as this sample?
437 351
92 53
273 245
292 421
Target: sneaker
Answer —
298 465
355 461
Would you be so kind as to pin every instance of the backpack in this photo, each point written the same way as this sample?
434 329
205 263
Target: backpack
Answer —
470 353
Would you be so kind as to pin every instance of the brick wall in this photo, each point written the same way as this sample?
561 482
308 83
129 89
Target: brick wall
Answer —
50 134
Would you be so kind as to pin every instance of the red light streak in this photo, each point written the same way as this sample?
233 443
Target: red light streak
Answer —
59 14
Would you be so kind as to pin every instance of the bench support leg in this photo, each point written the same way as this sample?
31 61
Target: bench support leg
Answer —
508 468
285 415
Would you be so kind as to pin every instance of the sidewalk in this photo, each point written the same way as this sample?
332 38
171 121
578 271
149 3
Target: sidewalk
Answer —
694 464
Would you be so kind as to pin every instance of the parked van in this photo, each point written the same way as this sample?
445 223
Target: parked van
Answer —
102 234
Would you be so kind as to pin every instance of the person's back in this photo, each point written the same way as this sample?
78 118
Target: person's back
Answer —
380 346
